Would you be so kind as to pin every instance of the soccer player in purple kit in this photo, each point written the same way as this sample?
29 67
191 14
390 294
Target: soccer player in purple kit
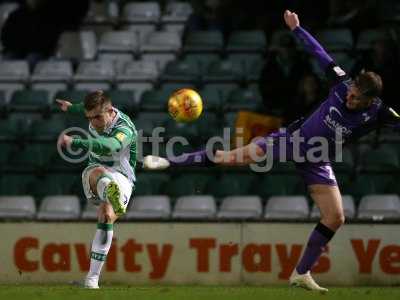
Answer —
352 109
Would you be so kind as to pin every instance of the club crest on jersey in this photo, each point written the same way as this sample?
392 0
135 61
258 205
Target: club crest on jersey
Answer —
120 136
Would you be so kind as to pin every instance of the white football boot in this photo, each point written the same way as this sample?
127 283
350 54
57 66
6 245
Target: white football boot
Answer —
152 162
91 283
305 281
86 283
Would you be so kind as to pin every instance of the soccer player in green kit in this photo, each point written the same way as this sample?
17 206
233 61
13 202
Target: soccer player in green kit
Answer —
109 178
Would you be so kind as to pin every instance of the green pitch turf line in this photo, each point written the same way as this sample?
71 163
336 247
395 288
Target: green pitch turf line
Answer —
120 292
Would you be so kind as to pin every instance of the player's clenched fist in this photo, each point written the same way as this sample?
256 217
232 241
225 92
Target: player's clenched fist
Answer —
63 104
291 19
64 140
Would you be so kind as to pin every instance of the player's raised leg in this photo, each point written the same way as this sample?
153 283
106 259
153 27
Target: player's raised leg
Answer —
237 157
329 201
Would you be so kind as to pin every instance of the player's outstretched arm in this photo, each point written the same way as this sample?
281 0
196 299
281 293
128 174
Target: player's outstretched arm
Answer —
67 106
63 104
310 43
100 145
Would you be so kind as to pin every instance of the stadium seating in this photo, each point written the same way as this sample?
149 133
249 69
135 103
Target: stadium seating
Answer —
188 184
276 185
89 213
286 208
141 31
149 207
118 42
243 99
231 184
14 71
161 41
184 71
150 183
59 208
52 184
102 13
344 164
161 59
199 207
154 100
15 184
335 39
383 158
212 99
94 75
17 207
240 208
52 71
6 150
149 121
367 37
278 36
246 41
118 59
224 71
123 100
141 12
14 128
138 71
14 75
176 12
367 184
30 101
47 129
204 41
186 130
77 45
379 208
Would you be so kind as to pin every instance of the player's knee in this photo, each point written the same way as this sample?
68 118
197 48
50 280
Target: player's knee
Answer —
335 220
94 175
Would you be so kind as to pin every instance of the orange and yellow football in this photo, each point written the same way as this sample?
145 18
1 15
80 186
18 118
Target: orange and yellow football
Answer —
185 105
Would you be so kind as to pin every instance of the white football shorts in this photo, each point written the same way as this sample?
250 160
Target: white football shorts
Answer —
124 184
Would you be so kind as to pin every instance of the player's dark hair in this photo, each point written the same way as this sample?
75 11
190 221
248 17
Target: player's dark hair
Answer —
95 99
369 84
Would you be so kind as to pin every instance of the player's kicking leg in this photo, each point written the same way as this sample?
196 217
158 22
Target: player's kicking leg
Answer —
237 157
329 201
113 191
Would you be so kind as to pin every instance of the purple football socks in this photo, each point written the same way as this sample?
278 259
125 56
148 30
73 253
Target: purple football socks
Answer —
319 237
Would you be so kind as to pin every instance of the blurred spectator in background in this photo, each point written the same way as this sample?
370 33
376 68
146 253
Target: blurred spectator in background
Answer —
354 14
31 32
210 15
283 69
383 59
309 93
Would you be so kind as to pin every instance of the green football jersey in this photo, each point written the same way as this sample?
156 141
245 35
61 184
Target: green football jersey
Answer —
115 147
124 160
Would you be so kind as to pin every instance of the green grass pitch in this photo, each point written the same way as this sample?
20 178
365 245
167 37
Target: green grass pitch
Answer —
113 292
